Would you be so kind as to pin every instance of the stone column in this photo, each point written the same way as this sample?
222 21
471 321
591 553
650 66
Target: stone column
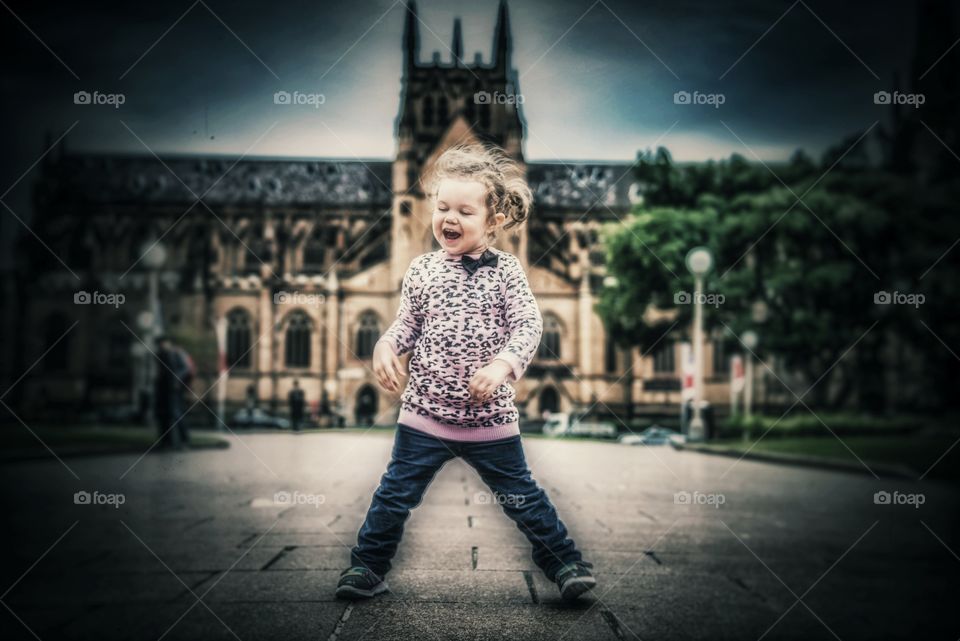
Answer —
265 351
586 364
331 349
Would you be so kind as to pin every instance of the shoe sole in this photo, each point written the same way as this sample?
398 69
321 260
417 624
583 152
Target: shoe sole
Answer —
576 587
351 592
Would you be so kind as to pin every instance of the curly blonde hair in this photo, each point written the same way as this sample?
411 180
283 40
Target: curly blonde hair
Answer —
507 191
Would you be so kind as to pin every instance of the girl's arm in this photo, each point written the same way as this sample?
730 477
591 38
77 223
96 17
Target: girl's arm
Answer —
524 321
402 335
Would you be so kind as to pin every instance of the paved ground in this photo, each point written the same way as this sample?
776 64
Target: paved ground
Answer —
199 549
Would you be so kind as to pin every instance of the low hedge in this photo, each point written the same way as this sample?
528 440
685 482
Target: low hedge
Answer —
807 424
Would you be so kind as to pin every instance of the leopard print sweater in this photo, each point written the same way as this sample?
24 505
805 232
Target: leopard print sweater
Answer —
455 323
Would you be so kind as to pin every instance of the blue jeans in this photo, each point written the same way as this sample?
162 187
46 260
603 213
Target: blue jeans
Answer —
416 459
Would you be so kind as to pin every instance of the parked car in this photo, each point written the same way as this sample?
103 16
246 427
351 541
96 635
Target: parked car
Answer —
653 435
259 418
560 424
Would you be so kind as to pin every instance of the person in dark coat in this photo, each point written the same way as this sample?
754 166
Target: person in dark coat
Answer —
174 375
297 402
251 400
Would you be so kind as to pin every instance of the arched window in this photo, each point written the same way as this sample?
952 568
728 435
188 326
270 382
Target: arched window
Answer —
238 339
550 341
367 334
297 350
663 360
611 356
315 251
256 251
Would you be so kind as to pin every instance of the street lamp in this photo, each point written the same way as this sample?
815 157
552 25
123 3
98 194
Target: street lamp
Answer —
699 261
750 341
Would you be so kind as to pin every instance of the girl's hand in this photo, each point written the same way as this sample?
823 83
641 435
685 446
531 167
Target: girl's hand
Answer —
487 379
386 367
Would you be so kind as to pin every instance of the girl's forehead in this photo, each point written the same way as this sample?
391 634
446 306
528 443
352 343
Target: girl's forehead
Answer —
460 190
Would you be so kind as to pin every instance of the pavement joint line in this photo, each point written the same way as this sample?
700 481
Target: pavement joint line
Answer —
335 634
244 542
189 589
649 516
613 622
276 557
746 588
531 586
604 526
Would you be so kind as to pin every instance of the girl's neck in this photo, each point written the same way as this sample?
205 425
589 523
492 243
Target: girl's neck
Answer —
473 253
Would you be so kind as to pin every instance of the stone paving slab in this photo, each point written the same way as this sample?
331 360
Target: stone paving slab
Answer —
94 588
479 622
271 586
267 621
463 586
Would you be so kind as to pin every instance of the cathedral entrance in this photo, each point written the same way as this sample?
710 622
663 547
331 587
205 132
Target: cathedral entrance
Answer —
549 400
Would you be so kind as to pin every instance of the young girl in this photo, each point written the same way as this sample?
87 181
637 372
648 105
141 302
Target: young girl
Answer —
467 313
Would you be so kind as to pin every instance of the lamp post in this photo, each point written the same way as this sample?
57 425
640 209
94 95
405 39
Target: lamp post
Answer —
154 256
750 341
699 261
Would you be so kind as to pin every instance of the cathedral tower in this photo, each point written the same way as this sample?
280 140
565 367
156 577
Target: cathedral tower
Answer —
443 103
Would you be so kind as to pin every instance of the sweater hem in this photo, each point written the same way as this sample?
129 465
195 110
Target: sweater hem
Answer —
454 433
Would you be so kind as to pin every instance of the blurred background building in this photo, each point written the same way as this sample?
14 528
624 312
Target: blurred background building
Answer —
302 259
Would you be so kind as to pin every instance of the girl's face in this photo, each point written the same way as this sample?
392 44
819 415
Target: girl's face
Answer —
460 217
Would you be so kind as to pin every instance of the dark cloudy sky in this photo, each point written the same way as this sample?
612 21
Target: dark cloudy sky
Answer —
200 76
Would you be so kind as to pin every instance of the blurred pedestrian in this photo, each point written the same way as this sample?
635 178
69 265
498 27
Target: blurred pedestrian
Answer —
297 402
175 372
251 400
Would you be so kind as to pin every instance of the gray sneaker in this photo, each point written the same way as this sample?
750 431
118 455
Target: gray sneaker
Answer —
359 583
574 579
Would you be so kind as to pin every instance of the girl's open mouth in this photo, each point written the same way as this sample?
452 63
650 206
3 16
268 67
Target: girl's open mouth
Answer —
450 235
